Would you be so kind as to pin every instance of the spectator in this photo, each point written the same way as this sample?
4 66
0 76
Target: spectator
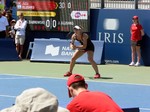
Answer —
3 26
88 101
136 39
9 16
86 47
14 10
12 31
20 28
3 12
36 100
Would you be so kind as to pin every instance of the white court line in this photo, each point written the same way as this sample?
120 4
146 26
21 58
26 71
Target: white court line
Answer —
16 78
9 96
65 78
147 109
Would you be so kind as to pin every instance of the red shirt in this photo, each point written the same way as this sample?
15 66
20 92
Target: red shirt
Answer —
88 101
136 32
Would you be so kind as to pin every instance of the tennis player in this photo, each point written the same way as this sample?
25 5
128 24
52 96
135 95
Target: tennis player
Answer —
88 101
86 46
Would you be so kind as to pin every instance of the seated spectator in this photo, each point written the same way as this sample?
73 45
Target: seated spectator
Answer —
36 100
9 16
12 29
88 101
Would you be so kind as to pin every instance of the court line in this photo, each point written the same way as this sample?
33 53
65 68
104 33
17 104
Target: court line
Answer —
16 78
147 109
99 81
9 96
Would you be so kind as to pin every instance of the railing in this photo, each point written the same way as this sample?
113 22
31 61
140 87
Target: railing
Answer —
120 4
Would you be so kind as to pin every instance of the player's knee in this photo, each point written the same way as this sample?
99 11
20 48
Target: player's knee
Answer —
90 59
73 59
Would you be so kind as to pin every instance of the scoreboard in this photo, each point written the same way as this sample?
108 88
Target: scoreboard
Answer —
55 15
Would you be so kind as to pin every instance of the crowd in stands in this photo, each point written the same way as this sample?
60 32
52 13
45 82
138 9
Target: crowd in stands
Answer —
10 9
10 12
12 26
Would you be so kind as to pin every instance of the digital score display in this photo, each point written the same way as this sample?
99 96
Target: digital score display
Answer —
54 15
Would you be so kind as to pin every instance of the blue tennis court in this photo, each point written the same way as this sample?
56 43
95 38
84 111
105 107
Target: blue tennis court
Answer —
126 95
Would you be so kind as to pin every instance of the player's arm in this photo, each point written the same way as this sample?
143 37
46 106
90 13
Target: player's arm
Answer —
73 39
72 45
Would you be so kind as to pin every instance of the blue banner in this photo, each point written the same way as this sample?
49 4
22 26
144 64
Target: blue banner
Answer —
8 50
113 27
59 51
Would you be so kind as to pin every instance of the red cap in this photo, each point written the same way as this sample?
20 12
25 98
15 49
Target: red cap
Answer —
135 17
74 78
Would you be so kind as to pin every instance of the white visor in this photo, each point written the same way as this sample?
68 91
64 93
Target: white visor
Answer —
77 27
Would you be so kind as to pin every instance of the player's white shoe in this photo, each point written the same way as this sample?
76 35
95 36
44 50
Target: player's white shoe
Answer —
137 64
132 64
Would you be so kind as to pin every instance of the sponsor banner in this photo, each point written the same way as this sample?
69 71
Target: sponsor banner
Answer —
113 28
59 51
38 13
79 15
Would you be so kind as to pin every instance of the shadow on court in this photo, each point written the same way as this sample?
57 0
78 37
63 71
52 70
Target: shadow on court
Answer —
100 78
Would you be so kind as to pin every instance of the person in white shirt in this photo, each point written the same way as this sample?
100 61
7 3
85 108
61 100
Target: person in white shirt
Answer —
3 25
20 28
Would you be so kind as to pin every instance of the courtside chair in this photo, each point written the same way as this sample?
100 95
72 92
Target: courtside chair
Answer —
29 49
